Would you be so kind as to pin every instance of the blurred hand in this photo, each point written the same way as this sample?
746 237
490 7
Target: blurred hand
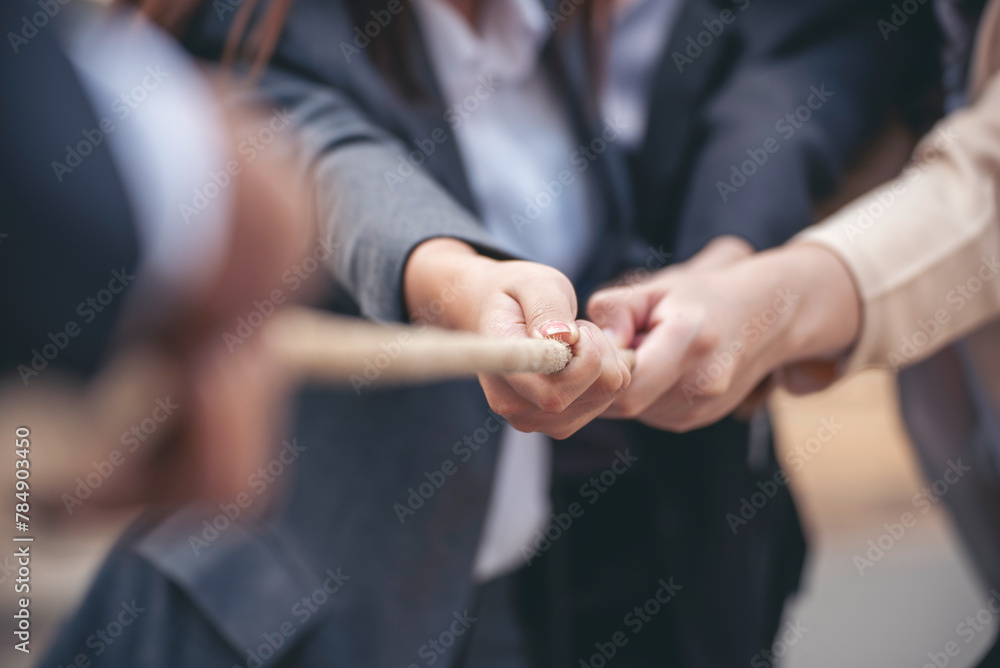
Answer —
517 300
225 395
706 338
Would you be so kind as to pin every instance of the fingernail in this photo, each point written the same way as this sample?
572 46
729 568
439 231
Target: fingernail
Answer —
555 328
590 333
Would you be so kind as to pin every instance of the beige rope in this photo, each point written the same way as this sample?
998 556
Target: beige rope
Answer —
310 344
331 348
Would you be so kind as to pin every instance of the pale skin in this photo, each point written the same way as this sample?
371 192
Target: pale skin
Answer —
676 320
707 337
517 300
524 299
520 299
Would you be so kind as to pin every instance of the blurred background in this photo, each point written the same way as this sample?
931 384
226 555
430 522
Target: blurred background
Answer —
907 604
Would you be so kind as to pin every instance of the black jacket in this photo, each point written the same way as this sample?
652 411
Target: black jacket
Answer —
401 582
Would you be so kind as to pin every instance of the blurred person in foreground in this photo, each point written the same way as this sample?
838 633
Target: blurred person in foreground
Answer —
107 130
454 137
906 278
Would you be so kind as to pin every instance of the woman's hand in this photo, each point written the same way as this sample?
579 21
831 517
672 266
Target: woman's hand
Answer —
705 339
447 284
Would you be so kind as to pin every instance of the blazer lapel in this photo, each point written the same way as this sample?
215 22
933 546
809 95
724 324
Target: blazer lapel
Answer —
683 78
315 33
607 177
429 115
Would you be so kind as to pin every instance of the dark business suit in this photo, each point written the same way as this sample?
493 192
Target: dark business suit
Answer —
61 240
709 106
401 585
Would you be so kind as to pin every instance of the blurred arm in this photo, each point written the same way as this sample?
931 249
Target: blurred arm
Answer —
828 60
372 218
924 249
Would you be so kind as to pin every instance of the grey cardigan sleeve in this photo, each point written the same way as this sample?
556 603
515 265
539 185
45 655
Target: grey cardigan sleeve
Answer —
372 225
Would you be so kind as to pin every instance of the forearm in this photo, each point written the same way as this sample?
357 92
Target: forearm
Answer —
369 217
436 279
923 248
826 315
373 227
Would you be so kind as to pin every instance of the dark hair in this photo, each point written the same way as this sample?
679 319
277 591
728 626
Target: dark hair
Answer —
253 44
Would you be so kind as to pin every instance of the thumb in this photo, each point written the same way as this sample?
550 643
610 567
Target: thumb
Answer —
548 303
619 312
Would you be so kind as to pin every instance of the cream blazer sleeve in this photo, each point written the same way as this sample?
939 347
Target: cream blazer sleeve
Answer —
924 249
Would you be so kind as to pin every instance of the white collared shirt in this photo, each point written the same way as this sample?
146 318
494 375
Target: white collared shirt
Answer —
639 36
515 139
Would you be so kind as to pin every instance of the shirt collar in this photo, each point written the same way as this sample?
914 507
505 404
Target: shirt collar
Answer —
508 46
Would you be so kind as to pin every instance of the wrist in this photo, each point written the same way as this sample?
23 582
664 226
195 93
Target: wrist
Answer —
435 278
826 319
722 251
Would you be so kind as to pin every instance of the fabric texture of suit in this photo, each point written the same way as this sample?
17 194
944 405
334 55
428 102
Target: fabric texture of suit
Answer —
408 580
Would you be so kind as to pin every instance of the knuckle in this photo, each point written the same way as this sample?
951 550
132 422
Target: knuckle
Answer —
626 377
504 406
521 424
542 272
721 387
553 403
563 432
587 357
705 341
603 305
611 381
683 426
